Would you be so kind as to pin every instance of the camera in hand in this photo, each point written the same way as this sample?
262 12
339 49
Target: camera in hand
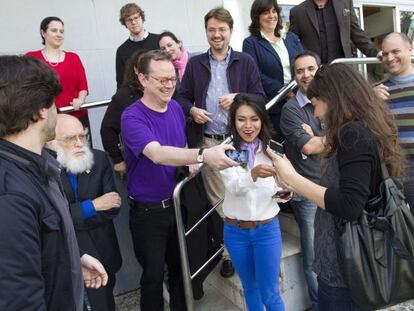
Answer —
277 147
241 157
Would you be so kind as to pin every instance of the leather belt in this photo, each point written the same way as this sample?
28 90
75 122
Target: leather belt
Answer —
163 204
247 224
216 136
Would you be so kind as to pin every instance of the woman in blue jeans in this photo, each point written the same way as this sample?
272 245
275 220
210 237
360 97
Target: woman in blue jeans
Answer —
251 228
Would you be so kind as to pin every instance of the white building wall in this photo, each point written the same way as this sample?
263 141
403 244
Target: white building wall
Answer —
92 30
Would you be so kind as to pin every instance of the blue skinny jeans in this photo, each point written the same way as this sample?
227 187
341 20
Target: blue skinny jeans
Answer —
256 254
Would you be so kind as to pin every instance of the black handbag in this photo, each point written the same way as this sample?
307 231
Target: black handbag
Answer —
376 251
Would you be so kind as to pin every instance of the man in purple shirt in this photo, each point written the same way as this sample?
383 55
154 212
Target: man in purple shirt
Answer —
153 131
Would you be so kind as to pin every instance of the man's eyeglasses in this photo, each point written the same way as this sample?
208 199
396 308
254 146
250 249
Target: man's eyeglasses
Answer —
221 30
74 139
134 19
164 81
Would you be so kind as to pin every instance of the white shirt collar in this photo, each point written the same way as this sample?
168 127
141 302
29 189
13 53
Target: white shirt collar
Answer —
282 36
146 34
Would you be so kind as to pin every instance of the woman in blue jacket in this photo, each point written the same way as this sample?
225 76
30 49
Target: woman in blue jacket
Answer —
272 50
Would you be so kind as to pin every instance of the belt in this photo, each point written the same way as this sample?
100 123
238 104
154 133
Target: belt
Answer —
216 137
163 204
248 224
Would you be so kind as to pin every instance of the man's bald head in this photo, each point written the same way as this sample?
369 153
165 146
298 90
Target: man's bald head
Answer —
396 54
400 36
66 125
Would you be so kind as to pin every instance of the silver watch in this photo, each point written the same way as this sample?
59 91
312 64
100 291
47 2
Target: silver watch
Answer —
200 156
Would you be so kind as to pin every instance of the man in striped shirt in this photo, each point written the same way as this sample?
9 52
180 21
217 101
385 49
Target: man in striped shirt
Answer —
398 90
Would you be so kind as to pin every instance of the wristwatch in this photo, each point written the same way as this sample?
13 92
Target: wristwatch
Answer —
200 157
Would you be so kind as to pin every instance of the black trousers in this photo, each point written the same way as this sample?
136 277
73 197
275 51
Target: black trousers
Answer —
102 299
154 236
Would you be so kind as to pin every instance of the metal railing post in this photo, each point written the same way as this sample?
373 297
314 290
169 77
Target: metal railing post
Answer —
185 266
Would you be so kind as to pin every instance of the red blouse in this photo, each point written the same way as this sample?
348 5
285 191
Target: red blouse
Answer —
72 79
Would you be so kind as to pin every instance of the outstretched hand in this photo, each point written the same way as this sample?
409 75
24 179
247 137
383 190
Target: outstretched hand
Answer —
216 158
285 172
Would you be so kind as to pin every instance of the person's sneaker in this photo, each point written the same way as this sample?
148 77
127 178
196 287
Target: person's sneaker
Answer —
227 269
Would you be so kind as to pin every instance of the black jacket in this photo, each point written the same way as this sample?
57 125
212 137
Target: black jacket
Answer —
39 256
96 235
304 23
111 123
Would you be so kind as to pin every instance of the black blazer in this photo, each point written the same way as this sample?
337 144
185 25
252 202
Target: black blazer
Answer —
304 23
96 235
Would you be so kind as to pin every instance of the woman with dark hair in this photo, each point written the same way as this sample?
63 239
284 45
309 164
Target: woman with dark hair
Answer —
251 228
127 94
66 64
359 133
170 44
272 49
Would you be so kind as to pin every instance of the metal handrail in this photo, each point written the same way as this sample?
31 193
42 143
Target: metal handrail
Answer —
182 234
357 60
283 92
86 106
360 60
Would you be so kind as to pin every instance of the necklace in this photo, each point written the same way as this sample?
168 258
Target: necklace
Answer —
45 53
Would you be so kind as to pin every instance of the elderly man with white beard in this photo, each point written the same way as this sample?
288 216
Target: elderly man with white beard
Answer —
88 181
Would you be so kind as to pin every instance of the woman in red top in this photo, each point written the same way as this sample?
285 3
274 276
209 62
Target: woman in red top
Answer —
67 65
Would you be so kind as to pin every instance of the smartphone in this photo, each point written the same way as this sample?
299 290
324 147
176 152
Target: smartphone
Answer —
283 196
241 157
277 147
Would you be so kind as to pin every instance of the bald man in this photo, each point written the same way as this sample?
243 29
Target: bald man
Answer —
397 90
88 181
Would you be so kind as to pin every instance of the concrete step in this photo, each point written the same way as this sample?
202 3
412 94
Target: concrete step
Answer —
292 281
288 224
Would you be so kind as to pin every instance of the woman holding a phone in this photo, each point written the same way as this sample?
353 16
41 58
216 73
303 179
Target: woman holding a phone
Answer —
360 132
251 228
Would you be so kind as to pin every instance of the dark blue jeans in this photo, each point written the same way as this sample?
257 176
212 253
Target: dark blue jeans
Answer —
256 254
305 217
335 298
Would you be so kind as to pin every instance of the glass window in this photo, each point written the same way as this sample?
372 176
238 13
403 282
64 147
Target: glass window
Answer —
285 15
407 23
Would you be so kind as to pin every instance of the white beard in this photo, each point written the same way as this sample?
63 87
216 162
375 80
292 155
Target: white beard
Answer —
72 164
